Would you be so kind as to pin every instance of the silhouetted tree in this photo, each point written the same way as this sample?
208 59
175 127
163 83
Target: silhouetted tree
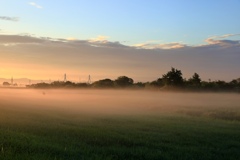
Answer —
40 85
234 82
69 84
6 84
82 85
195 80
104 83
173 78
123 81
154 84
157 83
208 85
57 84
221 85
160 82
139 85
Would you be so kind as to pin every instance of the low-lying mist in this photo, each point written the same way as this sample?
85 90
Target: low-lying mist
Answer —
120 102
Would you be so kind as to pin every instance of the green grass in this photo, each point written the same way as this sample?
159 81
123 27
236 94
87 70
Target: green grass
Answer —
87 124
43 135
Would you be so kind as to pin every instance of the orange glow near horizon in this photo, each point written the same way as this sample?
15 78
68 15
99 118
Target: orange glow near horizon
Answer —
42 72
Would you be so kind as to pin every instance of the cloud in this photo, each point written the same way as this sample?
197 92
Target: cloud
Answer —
174 45
112 59
14 19
19 39
99 39
35 5
71 39
221 41
227 35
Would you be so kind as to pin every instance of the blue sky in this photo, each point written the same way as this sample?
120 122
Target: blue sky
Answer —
129 22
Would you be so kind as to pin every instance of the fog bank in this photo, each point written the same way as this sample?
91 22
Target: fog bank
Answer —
118 102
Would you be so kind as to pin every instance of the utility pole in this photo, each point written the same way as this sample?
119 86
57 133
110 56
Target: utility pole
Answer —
89 80
65 77
12 81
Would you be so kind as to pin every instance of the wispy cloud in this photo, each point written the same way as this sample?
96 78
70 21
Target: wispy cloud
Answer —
221 40
71 39
173 45
6 18
35 5
227 36
19 39
100 39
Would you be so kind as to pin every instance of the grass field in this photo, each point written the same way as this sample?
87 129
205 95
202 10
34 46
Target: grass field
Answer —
107 124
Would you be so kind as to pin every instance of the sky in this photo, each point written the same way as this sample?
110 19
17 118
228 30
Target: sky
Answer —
141 39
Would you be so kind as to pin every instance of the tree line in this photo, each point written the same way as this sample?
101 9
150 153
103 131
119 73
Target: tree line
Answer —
172 80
